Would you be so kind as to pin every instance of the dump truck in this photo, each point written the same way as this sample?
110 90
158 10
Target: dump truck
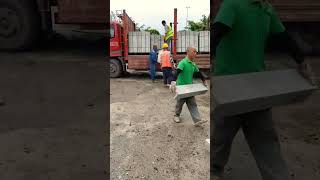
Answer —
24 22
129 48
301 18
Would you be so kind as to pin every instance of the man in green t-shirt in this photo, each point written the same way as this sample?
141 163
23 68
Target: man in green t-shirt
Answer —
186 69
240 32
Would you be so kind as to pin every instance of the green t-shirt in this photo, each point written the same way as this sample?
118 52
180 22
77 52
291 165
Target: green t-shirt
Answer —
187 68
242 49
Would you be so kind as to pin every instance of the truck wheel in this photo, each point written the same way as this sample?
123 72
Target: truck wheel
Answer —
19 24
115 68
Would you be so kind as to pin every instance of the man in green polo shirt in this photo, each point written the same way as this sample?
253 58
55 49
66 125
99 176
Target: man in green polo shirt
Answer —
240 33
186 69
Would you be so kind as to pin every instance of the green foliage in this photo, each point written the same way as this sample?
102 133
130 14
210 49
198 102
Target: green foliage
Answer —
148 29
140 27
202 25
152 31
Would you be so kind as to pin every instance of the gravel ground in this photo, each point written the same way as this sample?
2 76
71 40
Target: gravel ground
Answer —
146 144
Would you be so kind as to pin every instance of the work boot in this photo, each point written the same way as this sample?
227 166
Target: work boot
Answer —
199 123
176 119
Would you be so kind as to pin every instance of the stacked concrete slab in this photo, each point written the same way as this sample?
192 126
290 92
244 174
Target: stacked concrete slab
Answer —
189 90
242 93
156 40
139 42
186 39
204 41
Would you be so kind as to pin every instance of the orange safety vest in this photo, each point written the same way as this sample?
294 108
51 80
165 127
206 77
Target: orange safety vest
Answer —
165 59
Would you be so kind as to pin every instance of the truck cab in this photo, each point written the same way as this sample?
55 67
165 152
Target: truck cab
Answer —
116 47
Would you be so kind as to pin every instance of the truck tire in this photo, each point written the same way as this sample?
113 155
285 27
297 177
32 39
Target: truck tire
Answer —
19 24
115 68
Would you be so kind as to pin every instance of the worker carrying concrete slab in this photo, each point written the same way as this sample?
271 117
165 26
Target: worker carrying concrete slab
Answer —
240 32
168 34
164 58
186 69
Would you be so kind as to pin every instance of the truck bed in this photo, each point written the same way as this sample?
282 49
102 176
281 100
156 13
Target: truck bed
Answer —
141 62
298 10
288 10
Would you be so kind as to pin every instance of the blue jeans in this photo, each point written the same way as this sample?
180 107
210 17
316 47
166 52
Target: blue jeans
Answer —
152 71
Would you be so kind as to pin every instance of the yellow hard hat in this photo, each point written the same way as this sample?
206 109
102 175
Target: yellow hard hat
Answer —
165 45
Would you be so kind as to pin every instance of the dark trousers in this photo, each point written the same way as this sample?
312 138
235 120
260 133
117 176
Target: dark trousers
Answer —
192 106
169 42
262 139
167 75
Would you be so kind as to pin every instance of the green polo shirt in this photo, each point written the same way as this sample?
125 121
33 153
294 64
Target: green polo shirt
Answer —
187 68
242 49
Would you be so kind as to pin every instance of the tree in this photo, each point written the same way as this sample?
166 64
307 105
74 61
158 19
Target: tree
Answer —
148 29
140 28
202 25
152 31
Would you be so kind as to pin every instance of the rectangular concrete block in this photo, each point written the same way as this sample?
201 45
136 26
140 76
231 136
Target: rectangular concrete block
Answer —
242 93
139 42
204 41
156 40
189 90
186 39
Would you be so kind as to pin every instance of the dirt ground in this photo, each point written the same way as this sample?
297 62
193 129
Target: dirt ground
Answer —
147 144
53 123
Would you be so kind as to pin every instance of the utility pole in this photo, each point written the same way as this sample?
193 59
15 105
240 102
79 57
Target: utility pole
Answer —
187 16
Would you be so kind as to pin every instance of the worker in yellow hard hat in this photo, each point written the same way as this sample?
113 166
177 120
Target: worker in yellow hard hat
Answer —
165 46
164 58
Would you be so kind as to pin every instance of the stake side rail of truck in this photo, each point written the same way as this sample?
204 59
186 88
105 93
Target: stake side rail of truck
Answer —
120 58
24 22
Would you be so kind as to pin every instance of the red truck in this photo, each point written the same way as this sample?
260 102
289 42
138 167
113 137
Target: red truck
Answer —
23 22
121 59
301 18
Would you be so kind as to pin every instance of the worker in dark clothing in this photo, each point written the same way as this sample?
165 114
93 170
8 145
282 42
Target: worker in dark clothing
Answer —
153 62
185 71
240 32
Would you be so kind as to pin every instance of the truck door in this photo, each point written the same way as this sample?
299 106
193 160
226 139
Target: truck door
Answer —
115 40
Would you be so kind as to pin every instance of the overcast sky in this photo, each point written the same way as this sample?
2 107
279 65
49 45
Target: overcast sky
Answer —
151 13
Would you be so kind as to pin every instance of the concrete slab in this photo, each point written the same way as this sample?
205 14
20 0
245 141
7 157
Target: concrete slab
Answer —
189 90
241 93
